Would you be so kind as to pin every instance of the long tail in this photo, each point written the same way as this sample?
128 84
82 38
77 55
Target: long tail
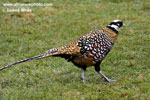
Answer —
50 52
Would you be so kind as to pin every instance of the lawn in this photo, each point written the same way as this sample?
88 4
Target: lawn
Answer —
27 34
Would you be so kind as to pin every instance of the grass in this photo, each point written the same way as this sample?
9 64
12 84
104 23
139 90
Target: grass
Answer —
24 35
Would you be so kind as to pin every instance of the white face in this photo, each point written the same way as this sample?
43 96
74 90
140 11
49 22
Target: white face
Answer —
114 26
116 21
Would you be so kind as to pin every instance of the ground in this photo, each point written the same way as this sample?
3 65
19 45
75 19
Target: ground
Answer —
24 34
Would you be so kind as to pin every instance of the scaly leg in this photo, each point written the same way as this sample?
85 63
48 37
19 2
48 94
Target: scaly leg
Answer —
106 78
97 69
82 77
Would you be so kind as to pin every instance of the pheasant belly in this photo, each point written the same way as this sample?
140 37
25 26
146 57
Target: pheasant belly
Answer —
83 61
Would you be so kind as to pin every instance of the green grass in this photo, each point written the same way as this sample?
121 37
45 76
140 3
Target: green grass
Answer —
24 35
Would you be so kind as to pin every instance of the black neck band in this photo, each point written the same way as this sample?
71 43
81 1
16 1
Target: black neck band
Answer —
112 29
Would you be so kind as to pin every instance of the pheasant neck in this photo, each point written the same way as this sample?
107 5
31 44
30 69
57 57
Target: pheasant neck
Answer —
112 35
115 29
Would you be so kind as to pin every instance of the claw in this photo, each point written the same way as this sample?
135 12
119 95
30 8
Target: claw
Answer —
109 80
106 78
83 80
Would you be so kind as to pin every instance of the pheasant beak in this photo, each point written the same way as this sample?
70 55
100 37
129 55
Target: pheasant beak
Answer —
124 25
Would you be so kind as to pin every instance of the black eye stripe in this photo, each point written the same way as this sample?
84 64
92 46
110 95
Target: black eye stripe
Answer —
116 23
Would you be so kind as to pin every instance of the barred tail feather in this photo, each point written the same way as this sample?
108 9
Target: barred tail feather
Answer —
51 52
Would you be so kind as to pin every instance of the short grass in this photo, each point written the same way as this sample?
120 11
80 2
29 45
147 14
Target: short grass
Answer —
24 35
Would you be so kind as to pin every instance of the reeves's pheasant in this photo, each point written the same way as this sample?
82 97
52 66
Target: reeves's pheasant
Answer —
88 50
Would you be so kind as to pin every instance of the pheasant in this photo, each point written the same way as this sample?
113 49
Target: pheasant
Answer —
88 50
